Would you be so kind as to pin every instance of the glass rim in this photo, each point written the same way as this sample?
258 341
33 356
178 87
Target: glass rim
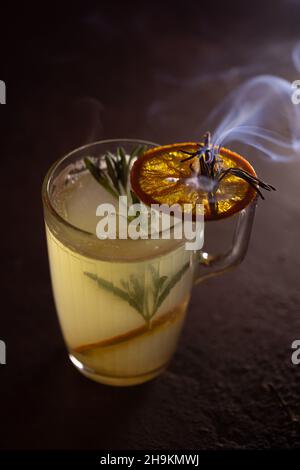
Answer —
49 175
46 198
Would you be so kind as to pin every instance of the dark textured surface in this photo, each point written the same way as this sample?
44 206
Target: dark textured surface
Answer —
80 76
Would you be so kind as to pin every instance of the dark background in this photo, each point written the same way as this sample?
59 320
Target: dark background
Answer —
75 74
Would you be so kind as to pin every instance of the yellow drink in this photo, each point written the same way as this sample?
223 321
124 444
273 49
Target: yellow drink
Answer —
121 303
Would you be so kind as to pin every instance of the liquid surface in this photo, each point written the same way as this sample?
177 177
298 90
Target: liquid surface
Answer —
76 200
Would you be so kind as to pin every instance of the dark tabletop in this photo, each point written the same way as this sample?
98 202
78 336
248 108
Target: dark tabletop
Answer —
150 72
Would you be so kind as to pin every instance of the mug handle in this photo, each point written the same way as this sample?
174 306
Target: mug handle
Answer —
211 265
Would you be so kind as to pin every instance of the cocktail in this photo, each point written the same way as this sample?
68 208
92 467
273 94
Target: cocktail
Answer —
122 302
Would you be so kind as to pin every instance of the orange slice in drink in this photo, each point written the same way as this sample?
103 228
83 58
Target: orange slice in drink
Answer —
161 176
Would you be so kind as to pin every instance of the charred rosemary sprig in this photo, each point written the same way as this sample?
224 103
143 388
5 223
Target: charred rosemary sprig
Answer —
209 156
253 181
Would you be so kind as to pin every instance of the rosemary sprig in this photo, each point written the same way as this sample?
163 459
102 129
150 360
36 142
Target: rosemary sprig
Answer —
114 176
209 156
114 290
135 294
99 177
251 180
168 285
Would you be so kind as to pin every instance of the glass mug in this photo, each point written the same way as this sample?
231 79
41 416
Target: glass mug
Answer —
121 303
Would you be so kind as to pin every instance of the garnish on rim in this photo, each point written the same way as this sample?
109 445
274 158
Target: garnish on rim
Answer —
223 181
112 171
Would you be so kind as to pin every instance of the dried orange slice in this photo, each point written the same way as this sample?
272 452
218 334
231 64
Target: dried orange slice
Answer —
160 176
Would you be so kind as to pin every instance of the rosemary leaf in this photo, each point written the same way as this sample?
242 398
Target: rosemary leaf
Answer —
99 177
109 286
111 172
171 283
119 169
123 167
93 169
134 197
135 152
